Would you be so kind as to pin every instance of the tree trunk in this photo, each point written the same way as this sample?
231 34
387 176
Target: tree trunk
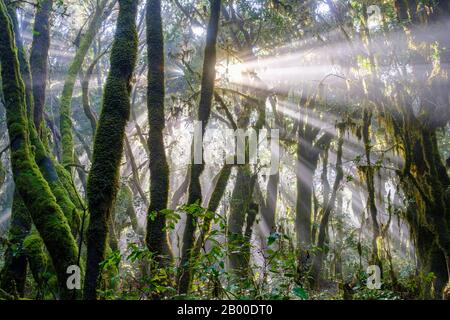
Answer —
368 172
327 210
109 142
239 208
38 59
156 239
195 170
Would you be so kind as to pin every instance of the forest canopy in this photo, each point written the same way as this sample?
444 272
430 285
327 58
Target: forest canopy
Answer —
224 149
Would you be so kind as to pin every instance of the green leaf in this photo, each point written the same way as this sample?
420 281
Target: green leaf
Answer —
300 292
272 238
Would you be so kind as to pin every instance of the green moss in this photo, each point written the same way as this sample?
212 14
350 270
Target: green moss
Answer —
157 240
13 274
34 250
38 59
47 216
57 179
109 142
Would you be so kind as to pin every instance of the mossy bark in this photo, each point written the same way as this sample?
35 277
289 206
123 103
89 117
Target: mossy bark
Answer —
39 57
54 174
109 142
46 214
59 181
195 170
368 171
2 170
424 182
156 239
24 66
13 274
34 249
424 178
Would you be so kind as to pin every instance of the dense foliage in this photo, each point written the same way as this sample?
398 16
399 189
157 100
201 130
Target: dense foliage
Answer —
118 122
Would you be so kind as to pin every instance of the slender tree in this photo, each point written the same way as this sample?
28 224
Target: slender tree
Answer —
156 239
109 142
39 58
195 170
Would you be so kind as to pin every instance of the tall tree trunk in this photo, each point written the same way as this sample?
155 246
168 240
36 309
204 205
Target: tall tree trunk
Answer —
109 142
156 239
38 59
368 171
308 152
327 209
307 160
195 170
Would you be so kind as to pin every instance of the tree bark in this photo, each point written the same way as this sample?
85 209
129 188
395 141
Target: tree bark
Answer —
195 170
38 59
109 142
13 275
156 239
327 210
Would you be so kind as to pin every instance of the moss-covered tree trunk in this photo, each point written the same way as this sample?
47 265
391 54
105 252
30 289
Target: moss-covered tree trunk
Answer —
88 112
424 176
33 188
39 57
13 274
156 238
109 142
58 179
368 171
34 250
195 170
